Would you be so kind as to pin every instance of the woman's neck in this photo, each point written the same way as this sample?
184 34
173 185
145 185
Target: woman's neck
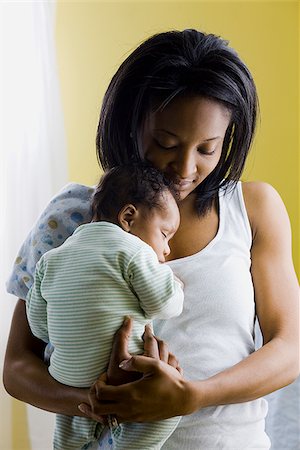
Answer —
195 232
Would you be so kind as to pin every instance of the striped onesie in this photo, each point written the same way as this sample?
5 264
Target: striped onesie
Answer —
81 292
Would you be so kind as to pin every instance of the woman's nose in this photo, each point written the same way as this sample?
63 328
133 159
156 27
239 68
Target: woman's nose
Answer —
184 163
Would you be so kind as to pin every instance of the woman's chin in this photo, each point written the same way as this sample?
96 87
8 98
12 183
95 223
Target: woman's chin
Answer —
184 195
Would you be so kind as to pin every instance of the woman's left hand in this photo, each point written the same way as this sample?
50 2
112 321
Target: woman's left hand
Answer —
159 393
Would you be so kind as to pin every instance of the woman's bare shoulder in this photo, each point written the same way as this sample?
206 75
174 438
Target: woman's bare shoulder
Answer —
258 190
264 205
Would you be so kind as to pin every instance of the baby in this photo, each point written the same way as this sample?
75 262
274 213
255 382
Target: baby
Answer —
108 269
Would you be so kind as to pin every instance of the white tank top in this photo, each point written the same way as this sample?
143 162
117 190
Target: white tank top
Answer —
216 331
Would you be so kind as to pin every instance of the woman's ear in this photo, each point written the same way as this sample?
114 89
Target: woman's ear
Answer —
127 216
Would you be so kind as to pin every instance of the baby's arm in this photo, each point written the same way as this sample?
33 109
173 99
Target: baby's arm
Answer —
158 290
36 306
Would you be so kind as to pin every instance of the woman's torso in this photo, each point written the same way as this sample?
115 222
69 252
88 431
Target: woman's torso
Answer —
219 304
216 329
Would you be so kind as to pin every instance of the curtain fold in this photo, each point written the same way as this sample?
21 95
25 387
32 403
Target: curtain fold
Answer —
33 163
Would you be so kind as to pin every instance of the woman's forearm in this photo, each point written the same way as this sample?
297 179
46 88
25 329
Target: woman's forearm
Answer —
26 377
28 380
272 367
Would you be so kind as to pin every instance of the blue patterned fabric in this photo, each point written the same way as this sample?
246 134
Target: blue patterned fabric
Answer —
65 212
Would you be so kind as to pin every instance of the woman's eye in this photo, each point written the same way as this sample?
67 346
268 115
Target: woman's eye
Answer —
206 152
164 234
164 146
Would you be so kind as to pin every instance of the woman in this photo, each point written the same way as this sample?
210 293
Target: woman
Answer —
185 102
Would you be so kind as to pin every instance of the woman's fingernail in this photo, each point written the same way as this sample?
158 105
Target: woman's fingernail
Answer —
126 320
124 363
82 408
148 330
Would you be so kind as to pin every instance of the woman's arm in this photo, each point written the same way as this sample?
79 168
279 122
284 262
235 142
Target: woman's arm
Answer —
160 393
25 375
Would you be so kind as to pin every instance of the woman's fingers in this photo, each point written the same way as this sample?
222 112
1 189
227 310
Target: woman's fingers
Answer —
120 352
139 363
102 393
158 394
163 350
87 410
121 338
101 401
172 360
158 349
150 343
126 401
155 347
94 413
180 370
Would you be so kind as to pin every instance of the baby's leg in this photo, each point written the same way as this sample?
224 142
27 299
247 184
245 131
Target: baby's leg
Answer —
74 433
143 436
105 442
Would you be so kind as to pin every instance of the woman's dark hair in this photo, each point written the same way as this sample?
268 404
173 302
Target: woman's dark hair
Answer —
139 184
179 63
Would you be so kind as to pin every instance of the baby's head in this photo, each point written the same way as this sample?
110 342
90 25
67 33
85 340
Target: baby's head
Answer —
141 201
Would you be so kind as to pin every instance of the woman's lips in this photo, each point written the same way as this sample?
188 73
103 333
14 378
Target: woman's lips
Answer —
182 184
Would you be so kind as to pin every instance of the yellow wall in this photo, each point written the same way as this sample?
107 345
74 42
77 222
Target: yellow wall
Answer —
94 37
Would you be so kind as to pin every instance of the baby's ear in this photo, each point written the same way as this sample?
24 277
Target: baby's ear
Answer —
127 216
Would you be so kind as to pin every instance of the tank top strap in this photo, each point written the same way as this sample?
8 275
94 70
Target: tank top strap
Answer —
236 221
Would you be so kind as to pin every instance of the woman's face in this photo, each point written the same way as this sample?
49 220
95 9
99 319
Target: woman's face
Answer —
185 140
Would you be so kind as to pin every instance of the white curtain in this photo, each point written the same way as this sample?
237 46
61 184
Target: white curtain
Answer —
32 159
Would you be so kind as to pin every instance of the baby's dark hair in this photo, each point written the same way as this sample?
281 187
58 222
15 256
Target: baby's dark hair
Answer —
139 184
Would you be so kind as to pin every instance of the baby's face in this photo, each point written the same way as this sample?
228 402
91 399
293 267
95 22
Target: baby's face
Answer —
157 226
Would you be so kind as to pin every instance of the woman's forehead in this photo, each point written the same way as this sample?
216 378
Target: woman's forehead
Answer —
188 113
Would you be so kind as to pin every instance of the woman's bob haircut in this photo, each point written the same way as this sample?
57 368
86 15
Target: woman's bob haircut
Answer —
172 64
